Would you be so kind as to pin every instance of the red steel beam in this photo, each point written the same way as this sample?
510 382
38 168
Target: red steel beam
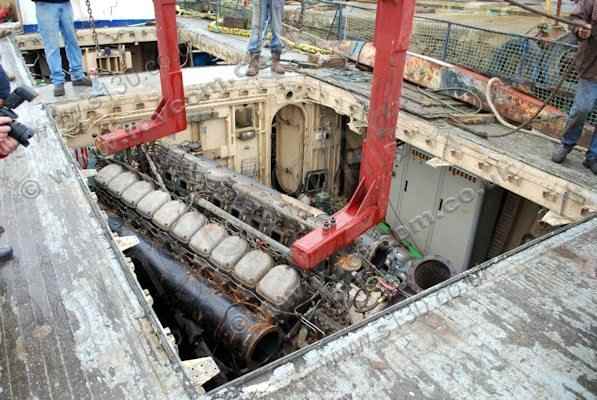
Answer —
368 205
170 116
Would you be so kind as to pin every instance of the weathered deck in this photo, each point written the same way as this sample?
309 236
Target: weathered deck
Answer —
73 321
520 327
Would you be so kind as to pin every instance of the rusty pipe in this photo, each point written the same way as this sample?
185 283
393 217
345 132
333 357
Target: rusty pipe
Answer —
437 75
239 329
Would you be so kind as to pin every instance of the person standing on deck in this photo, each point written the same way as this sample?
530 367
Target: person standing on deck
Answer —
586 93
7 144
265 12
55 17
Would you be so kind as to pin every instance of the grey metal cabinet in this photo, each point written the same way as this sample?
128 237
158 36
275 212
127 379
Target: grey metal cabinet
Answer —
437 208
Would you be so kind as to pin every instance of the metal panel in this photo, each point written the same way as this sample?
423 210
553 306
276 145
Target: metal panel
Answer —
396 188
457 217
418 198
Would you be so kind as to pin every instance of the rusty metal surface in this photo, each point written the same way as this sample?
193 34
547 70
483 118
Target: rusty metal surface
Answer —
437 75
73 320
522 326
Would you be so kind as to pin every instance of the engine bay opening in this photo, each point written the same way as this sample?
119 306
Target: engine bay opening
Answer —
217 207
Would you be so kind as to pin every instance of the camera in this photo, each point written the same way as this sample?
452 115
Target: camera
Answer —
19 132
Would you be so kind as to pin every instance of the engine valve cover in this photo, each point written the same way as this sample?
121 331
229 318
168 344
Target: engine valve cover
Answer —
122 182
151 203
253 267
168 214
208 237
188 225
280 285
135 193
229 252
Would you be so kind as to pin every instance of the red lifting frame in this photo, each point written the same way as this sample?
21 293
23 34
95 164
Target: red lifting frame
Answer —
370 201
170 116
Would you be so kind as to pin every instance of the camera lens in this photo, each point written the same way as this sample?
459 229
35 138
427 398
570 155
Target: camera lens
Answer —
21 133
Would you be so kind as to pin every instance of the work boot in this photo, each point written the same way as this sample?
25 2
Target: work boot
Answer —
560 153
277 68
59 90
253 68
82 82
591 164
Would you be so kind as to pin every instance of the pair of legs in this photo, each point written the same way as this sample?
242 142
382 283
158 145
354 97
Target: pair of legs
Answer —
266 13
53 19
584 103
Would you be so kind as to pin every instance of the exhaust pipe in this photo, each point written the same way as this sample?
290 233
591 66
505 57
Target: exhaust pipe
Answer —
241 330
428 272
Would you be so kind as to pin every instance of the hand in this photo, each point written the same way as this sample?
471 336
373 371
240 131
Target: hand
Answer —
7 144
584 33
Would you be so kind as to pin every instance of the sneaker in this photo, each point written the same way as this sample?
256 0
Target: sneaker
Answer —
591 164
59 90
82 82
560 153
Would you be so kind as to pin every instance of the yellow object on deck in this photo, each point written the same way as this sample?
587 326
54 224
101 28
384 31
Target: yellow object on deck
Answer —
215 27
303 47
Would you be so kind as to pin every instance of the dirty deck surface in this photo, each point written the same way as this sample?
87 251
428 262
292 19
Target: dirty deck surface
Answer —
147 84
236 45
72 325
520 327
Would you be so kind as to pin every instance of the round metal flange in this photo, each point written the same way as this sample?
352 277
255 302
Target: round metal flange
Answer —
428 272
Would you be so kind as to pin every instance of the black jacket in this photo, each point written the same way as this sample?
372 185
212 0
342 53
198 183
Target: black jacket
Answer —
4 84
586 60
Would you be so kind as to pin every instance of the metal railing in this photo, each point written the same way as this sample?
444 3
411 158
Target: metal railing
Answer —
533 65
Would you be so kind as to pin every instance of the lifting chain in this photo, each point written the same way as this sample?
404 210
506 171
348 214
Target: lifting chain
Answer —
92 25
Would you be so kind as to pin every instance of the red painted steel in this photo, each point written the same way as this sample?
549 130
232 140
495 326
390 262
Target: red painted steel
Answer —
170 116
368 205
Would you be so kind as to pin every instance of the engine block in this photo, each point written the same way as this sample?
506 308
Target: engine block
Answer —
225 238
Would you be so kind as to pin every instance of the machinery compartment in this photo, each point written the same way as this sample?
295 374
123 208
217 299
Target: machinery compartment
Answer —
214 255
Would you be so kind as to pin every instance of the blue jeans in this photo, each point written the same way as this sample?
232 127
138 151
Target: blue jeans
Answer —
53 19
584 103
265 13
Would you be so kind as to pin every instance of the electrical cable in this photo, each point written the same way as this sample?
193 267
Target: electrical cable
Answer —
365 308
549 99
520 128
501 120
